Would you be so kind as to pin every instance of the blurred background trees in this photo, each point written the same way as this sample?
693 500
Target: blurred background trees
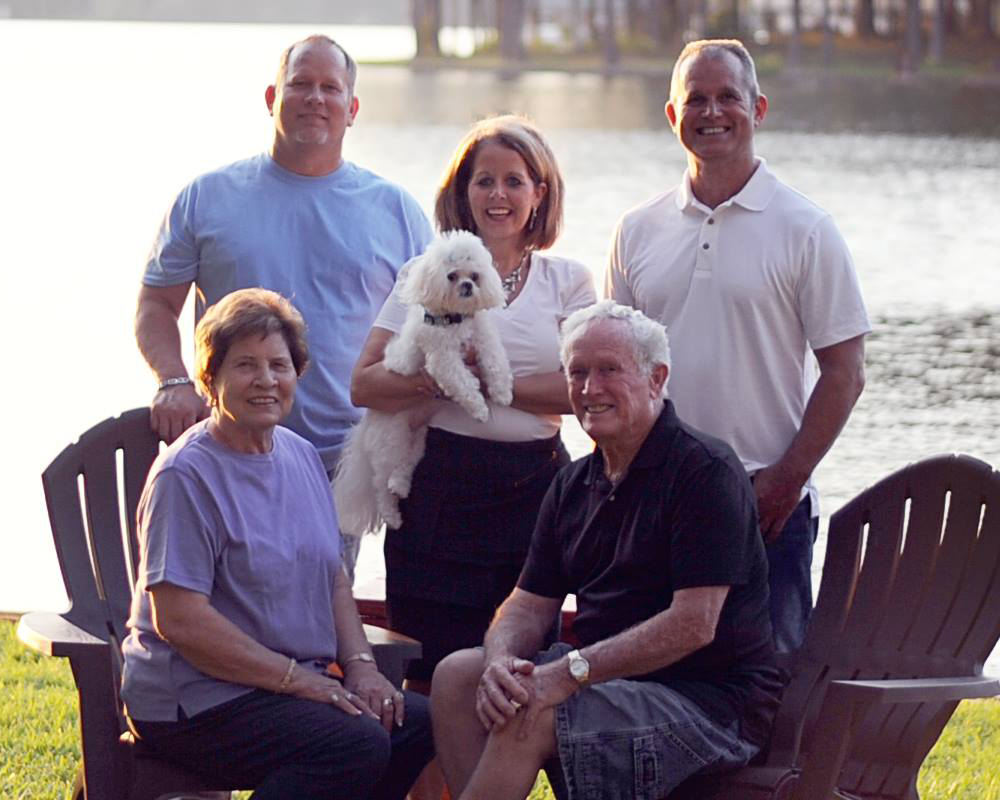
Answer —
908 33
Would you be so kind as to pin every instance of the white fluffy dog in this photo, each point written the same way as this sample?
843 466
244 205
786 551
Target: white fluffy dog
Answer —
448 290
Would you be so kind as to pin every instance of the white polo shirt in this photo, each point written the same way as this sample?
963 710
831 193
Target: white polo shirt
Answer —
746 291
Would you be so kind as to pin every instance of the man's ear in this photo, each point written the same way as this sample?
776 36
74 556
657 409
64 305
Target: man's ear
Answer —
671 113
759 110
657 379
355 105
269 95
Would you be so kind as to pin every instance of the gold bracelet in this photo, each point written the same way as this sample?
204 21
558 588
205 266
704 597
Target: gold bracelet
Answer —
283 686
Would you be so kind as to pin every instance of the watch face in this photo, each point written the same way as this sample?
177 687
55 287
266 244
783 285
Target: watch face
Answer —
579 668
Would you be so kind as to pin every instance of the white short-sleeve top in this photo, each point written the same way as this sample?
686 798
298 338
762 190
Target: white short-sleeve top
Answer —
529 329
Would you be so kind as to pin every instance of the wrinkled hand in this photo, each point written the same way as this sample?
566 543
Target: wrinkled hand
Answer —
777 496
322 688
500 694
380 697
175 409
549 685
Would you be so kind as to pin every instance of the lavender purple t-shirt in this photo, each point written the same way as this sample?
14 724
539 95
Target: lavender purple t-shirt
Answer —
258 535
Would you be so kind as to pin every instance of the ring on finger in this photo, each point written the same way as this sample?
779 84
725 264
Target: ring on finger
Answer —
387 702
334 697
517 705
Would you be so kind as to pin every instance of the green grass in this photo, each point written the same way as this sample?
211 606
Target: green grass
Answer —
39 738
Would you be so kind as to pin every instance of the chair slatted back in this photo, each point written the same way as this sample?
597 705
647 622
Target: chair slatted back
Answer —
911 588
96 555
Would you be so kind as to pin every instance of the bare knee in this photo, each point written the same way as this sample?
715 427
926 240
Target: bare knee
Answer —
453 688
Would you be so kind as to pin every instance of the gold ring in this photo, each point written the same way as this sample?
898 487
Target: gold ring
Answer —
517 705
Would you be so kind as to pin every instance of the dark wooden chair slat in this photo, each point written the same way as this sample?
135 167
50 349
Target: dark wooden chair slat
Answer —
908 623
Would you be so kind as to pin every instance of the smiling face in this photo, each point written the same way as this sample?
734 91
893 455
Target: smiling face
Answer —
502 194
313 104
713 110
252 391
615 400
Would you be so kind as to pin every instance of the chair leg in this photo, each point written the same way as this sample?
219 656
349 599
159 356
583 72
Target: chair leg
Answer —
77 792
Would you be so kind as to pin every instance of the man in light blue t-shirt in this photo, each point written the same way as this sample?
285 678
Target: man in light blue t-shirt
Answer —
299 220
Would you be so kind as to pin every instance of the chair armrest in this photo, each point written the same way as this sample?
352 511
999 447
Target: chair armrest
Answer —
844 708
52 635
917 690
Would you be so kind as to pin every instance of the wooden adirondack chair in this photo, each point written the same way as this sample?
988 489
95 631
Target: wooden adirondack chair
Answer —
92 489
908 611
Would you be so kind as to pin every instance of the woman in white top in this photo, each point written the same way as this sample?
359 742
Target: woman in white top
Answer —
471 511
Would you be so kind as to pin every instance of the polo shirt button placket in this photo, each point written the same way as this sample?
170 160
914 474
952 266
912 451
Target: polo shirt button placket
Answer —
707 242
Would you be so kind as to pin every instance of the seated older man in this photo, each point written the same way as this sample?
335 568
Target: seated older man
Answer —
656 534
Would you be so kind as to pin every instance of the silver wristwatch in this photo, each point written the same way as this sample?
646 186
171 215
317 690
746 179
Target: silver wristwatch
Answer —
579 667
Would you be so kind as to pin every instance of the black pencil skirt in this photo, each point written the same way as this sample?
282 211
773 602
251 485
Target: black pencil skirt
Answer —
466 528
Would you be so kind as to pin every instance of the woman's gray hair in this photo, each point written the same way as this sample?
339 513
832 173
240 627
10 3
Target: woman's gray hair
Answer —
649 338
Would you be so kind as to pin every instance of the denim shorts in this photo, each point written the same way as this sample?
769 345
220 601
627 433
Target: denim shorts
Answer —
636 739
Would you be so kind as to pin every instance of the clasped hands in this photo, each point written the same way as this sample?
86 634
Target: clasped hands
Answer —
363 690
514 687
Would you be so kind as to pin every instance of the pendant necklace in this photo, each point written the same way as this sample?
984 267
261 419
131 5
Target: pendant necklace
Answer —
509 284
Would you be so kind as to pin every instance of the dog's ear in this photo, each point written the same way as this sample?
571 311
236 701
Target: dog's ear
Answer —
409 278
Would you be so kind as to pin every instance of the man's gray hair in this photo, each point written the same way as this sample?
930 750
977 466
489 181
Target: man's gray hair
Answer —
713 47
649 338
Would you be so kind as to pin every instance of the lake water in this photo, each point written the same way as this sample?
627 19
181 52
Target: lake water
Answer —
104 122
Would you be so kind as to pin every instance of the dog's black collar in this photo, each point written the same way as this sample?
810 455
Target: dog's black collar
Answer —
444 319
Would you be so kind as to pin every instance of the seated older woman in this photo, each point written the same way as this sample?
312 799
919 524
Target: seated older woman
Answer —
242 605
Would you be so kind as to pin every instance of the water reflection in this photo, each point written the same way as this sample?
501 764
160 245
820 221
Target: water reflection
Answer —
587 100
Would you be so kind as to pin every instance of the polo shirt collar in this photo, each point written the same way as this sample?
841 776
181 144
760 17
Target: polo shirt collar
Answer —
654 450
754 196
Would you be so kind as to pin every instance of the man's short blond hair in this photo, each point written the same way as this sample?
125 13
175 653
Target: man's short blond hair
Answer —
714 47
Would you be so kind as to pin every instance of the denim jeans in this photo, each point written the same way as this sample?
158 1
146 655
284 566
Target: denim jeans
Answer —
789 560
286 747
624 739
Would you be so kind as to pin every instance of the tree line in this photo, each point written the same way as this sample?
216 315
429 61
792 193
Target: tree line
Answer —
921 30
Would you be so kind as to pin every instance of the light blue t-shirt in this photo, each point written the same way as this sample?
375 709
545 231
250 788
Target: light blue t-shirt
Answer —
252 532
331 244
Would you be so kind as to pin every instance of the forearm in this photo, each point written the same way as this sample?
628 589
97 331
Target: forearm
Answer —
351 638
157 331
381 389
688 625
520 624
217 647
374 386
545 393
827 411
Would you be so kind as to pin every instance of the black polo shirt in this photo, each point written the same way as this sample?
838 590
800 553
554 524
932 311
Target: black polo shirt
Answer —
684 516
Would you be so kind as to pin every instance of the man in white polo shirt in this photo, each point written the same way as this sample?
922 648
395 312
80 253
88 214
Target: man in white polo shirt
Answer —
750 278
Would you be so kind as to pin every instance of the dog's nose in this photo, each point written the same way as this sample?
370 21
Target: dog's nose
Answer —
465 289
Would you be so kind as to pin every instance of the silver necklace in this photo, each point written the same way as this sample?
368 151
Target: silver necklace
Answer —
509 284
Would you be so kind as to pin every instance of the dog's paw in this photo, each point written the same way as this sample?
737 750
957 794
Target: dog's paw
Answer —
502 395
393 519
479 409
399 485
